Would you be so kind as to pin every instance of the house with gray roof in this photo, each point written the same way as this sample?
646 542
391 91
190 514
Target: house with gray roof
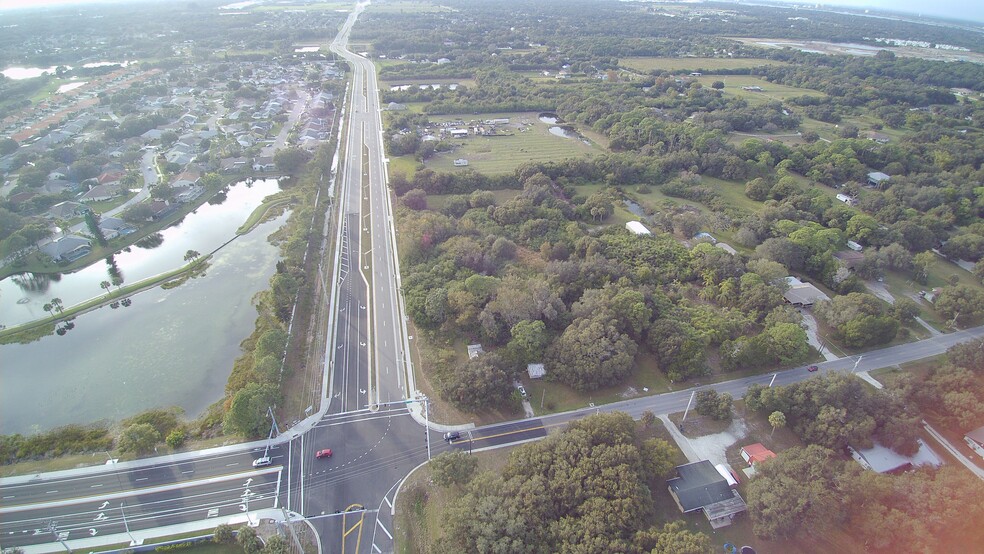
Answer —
66 210
699 486
68 248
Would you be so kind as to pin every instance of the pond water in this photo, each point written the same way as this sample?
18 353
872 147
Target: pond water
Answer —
636 209
168 348
18 73
549 118
561 132
23 296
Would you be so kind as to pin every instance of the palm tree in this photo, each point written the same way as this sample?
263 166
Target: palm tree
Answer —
105 286
57 304
191 255
48 308
777 419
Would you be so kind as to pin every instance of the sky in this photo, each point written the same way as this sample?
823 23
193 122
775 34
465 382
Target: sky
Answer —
972 10
956 9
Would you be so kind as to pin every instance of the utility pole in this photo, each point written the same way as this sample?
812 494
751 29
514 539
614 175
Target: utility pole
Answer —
53 528
774 375
688 406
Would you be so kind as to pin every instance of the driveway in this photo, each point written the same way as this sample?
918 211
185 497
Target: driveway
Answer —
813 337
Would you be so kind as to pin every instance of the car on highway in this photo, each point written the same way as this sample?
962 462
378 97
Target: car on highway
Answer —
813 368
452 436
262 462
324 453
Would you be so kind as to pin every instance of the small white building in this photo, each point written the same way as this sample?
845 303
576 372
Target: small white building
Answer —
975 440
845 199
474 350
637 228
854 246
460 162
536 371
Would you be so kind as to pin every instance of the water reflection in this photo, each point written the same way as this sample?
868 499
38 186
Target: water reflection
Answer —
35 282
208 228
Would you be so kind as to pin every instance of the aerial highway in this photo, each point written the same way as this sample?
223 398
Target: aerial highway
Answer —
371 417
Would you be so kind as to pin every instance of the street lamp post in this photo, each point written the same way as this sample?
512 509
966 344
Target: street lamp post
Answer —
126 525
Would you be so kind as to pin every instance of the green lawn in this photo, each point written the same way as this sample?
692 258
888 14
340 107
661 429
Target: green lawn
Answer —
502 154
647 64
770 91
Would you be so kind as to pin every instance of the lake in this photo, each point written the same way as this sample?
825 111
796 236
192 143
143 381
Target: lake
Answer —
168 348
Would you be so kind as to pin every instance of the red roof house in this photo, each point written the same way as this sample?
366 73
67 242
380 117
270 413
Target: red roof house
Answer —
755 453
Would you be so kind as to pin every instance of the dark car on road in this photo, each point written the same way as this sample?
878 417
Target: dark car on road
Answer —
813 368
325 453
452 436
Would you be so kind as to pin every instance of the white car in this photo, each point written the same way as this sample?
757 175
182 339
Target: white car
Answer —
262 462
522 390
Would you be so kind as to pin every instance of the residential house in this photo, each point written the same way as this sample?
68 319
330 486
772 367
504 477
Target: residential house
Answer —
113 227
233 165
882 459
699 486
474 350
877 179
727 248
880 138
802 294
110 177
536 371
66 210
99 193
755 453
68 248
845 199
160 209
850 259
265 164
975 440
705 237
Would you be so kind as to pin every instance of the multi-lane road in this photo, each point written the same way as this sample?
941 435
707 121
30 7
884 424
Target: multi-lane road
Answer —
375 437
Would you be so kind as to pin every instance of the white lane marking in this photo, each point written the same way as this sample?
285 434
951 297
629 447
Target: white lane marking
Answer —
96 485
50 492
142 479
377 548
189 471
388 501
232 464
9 497
381 526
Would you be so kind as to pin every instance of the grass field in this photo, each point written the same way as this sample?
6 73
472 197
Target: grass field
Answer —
694 64
502 154
770 91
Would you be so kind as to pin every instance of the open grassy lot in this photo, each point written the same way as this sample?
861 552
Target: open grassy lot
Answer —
770 91
521 143
694 64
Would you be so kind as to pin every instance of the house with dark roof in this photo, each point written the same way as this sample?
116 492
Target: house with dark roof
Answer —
877 179
699 486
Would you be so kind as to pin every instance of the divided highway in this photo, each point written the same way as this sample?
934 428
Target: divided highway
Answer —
365 419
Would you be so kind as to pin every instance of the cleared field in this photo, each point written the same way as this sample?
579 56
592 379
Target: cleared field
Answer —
770 91
694 64
531 141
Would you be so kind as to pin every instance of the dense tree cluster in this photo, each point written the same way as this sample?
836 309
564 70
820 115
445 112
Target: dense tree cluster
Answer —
951 391
586 489
805 492
837 410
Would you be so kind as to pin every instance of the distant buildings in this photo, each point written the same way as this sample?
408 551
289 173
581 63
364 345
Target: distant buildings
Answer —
877 179
882 459
68 248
